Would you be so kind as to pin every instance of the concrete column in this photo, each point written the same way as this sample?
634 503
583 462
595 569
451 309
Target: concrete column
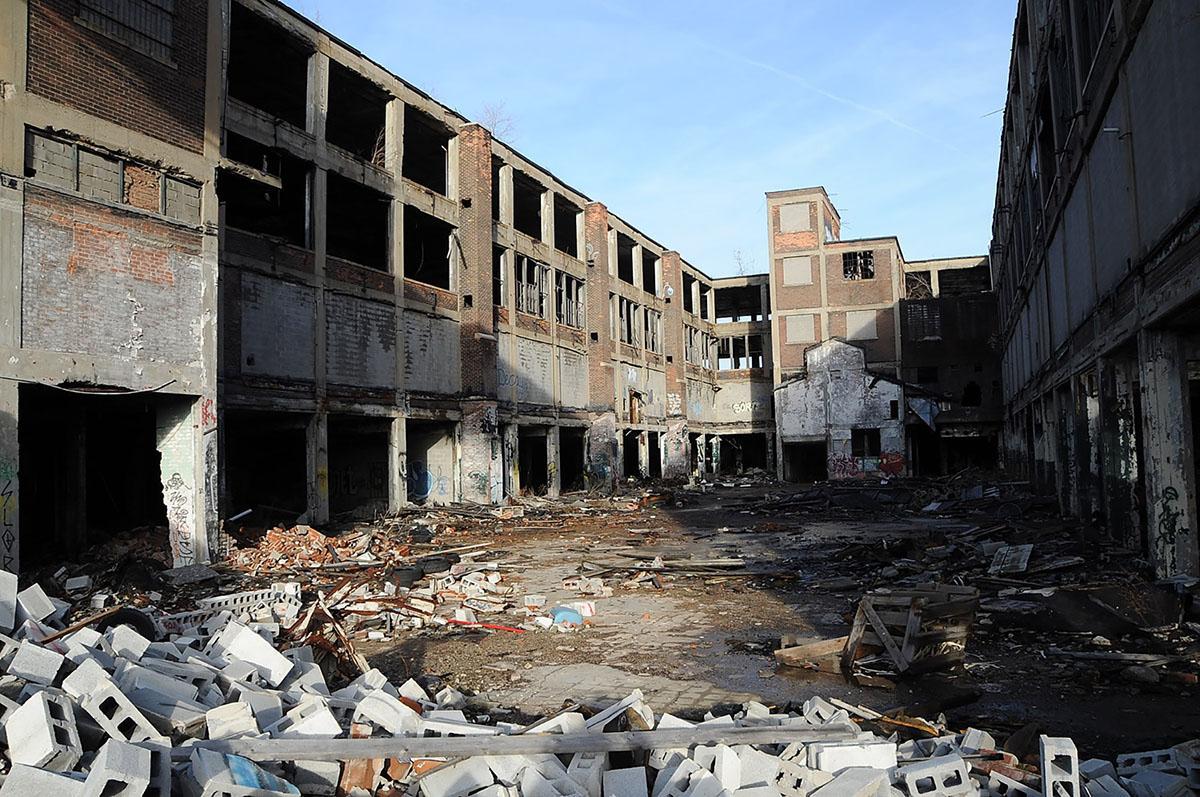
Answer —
317 460
553 463
675 450
770 438
510 463
603 442
1170 467
702 455
644 453
483 461
1119 456
397 463
183 476
714 444
1080 460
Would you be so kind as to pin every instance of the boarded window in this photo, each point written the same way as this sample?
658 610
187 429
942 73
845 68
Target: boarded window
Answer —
797 270
858 265
144 25
923 320
860 325
801 328
795 218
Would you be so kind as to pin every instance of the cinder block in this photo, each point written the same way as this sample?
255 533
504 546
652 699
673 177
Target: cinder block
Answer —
1060 767
386 711
312 718
117 715
856 782
86 678
1001 785
463 777
664 757
8 601
1161 784
758 768
757 791
793 779
120 769
35 663
33 604
834 757
975 740
160 767
1103 786
239 642
1097 767
24 780
727 767
317 777
230 721
42 733
944 776
1164 760
587 769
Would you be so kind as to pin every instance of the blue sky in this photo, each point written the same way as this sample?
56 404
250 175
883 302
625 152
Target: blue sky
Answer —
680 115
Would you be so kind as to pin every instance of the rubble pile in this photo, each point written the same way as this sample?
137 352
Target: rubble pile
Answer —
214 707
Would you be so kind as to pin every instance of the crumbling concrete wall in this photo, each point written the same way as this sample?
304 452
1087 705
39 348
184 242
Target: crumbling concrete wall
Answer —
837 396
428 340
360 347
744 401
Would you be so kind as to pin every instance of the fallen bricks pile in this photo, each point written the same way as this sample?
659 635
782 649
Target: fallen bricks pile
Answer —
216 709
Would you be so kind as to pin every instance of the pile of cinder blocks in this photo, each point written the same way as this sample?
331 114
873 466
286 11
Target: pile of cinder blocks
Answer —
112 712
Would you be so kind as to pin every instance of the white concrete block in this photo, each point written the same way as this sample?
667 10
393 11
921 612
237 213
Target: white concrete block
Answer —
230 721
86 678
1161 784
945 776
1165 760
975 740
834 757
758 768
857 782
758 791
629 782
1096 767
1003 786
727 767
36 663
8 601
160 767
311 718
317 777
386 711
793 779
219 775
239 642
42 733
24 780
459 778
117 715
1060 766
1102 786
33 604
587 769
120 769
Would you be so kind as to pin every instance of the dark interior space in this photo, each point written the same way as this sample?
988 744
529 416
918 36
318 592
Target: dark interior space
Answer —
426 248
926 450
743 303
1194 404
497 165
649 272
266 465
531 459
426 150
743 452
688 282
805 462
566 226
625 246
358 472
357 114
498 276
271 197
970 452
527 205
630 454
89 467
358 223
571 458
655 463
268 68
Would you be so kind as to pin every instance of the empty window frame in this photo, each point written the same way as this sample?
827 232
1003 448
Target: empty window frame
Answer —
858 265
923 320
864 443
754 351
570 300
688 282
497 165
268 67
499 276
698 347
527 205
625 247
426 157
358 223
743 303
628 326
279 204
357 114
566 226
144 25
649 272
427 247
705 292
653 330
533 286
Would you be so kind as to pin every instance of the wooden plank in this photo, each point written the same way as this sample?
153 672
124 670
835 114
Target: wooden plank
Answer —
850 652
884 636
405 747
821 655
912 629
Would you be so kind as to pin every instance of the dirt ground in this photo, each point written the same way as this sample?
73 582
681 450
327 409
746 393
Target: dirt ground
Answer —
703 641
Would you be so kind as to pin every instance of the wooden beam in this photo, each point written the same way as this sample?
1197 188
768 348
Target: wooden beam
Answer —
405 747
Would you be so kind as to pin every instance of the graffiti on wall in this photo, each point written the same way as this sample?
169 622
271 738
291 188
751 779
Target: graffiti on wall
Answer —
1168 530
674 403
423 482
8 514
891 463
180 520
843 466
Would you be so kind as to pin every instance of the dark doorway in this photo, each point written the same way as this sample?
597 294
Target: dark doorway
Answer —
632 468
571 458
266 465
655 463
532 462
805 462
358 465
743 452
926 448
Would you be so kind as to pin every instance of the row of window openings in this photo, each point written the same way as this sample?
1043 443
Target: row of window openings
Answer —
528 203
635 325
689 300
855 266
741 351
532 285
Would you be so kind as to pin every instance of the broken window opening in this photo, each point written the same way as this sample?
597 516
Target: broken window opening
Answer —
653 331
271 197
358 223
704 297
858 265
533 285
566 226
357 115
499 286
625 246
427 245
628 329
570 300
922 320
268 67
754 351
649 272
527 205
864 443
572 458
426 158
688 282
533 464
743 303
497 165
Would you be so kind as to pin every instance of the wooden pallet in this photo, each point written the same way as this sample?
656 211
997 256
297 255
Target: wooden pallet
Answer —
920 629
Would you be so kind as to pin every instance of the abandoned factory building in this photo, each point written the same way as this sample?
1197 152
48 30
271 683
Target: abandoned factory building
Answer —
1096 256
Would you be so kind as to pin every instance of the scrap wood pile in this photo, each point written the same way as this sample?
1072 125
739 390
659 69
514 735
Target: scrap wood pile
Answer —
218 709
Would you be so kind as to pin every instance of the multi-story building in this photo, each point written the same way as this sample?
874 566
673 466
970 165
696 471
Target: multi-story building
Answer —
880 365
246 267
1096 256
